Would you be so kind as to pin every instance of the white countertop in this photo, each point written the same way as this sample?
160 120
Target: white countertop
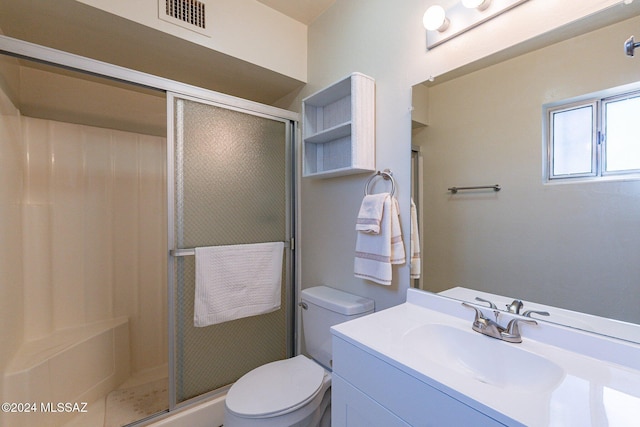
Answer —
599 384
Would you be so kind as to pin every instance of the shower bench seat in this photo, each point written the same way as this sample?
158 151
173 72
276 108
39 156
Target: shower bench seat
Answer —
78 364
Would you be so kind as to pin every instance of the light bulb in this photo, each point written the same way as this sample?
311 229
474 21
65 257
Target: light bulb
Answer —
434 19
476 4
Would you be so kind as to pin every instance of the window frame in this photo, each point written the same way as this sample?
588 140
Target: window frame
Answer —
599 101
551 111
605 101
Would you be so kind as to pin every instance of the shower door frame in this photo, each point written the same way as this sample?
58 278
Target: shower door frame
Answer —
290 225
25 50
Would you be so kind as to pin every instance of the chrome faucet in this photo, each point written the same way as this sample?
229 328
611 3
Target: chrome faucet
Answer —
510 333
515 306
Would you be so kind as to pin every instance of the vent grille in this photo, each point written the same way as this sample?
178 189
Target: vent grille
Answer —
188 11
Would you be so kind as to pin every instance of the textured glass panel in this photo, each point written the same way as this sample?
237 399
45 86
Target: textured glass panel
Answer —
230 189
573 141
623 135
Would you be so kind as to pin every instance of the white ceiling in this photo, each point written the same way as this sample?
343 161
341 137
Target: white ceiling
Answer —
304 11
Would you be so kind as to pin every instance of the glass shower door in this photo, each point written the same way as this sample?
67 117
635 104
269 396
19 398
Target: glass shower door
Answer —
231 185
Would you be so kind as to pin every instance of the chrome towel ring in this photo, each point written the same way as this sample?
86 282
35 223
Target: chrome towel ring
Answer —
387 175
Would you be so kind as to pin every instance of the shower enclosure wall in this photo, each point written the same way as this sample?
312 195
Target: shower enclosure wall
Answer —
84 256
85 298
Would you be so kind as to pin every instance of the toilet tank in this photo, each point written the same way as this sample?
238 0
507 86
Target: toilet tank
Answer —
324 307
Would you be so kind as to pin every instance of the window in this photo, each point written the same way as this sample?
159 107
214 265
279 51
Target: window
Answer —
595 138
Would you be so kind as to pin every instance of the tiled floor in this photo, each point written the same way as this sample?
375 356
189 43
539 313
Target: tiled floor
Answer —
96 410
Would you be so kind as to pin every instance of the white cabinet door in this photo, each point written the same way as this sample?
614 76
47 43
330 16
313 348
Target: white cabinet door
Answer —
352 408
401 395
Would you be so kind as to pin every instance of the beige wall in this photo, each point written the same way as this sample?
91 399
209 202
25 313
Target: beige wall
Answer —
362 36
570 245
71 97
94 226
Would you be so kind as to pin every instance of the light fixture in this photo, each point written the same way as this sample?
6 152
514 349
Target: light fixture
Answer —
476 4
443 25
435 19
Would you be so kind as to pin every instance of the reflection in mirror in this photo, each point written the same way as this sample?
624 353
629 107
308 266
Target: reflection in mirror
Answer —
416 217
571 246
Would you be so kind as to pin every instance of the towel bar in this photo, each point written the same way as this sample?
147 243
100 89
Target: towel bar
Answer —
192 251
182 252
454 190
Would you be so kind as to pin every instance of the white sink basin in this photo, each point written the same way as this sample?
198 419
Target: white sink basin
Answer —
483 358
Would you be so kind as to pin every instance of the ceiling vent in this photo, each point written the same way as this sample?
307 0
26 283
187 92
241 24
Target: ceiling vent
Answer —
188 14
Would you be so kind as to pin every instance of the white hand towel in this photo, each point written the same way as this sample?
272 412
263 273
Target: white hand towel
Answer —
375 253
415 244
370 213
237 281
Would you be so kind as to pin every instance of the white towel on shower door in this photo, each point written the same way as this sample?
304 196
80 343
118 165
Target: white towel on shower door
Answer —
237 281
375 253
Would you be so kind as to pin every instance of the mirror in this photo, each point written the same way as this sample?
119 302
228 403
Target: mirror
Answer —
575 246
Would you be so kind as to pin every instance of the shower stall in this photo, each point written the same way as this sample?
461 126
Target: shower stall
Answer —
110 179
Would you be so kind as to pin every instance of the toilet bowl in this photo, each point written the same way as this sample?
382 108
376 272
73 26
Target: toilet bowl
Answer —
296 391
290 392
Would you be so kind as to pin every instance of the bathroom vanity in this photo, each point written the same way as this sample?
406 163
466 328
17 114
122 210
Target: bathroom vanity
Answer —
421 364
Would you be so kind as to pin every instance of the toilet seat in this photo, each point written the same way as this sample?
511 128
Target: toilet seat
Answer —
275 388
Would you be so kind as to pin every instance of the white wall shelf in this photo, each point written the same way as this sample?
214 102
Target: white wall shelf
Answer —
330 134
339 128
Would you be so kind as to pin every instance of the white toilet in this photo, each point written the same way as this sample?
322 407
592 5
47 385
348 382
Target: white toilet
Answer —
297 391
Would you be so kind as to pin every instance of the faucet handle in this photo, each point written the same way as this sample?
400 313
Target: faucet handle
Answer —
479 321
479 316
528 313
483 325
515 306
491 305
513 329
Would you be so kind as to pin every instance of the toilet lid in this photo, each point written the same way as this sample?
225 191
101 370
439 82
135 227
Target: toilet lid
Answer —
275 388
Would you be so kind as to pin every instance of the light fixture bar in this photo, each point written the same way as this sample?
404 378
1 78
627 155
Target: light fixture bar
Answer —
462 19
